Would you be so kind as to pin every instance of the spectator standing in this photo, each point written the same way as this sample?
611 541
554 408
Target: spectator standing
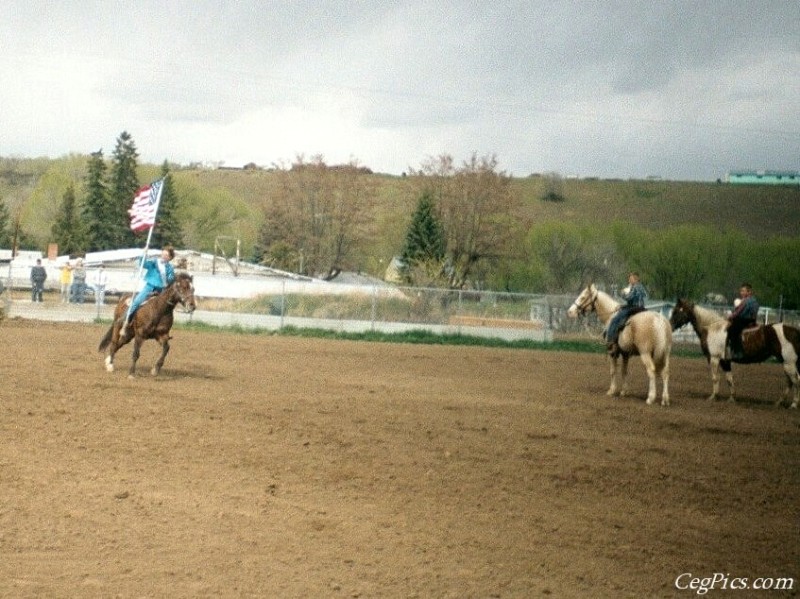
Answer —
38 277
65 278
78 282
99 282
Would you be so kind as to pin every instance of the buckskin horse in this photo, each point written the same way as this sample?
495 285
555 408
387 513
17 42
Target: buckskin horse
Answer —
760 343
647 334
153 320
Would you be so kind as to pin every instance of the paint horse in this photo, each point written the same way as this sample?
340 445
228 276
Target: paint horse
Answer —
760 343
153 320
646 334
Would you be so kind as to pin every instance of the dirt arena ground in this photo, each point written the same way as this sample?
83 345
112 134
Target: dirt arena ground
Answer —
265 466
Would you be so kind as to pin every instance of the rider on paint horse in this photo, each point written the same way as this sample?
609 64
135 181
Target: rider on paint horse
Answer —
159 274
744 315
635 296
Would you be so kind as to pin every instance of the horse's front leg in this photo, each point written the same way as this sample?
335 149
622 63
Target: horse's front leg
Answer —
623 372
713 365
137 346
727 368
164 351
612 361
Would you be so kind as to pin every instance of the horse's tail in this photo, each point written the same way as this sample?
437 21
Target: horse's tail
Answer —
105 341
662 344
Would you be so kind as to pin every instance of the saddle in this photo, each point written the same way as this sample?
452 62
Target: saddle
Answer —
632 311
129 299
751 341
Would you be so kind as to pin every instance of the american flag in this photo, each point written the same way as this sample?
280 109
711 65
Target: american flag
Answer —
145 206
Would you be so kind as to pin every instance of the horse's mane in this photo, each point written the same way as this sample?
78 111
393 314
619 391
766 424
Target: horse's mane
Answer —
706 317
607 297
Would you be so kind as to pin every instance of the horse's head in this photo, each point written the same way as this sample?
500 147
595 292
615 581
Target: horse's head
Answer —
682 314
183 291
585 302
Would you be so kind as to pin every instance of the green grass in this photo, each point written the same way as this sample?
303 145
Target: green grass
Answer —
422 337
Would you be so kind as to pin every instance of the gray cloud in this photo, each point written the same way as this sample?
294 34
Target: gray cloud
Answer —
681 89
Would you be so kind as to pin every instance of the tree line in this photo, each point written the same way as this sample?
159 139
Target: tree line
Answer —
99 220
461 226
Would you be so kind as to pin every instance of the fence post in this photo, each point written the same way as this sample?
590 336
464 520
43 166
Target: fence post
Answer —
283 301
374 306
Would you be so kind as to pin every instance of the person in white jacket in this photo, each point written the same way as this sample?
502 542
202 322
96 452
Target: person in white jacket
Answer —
99 282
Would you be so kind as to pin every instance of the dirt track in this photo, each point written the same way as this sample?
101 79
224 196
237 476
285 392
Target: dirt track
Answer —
282 467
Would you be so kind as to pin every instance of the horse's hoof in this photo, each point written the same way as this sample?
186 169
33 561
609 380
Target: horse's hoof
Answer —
651 401
154 372
665 402
131 377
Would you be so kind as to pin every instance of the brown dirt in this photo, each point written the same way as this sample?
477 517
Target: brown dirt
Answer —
265 466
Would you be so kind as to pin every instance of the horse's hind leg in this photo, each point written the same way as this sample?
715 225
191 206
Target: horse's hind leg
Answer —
650 366
792 386
665 382
164 351
109 361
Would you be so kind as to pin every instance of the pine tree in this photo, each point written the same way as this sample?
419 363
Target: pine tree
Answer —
122 189
167 229
68 230
5 229
425 245
425 240
96 207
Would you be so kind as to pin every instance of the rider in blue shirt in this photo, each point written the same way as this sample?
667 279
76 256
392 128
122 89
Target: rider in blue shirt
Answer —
635 296
744 315
159 274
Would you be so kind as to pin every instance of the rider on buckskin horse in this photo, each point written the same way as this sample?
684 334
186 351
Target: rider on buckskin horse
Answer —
744 315
635 296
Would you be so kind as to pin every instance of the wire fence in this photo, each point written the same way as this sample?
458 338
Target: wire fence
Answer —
386 308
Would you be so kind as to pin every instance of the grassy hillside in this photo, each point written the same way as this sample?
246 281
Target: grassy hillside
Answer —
760 211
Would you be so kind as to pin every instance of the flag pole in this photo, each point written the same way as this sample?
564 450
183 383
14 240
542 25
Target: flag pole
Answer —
146 245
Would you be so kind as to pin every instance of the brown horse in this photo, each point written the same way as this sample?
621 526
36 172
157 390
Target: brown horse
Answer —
646 334
153 320
760 343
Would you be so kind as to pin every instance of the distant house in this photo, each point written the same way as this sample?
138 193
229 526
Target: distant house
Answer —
764 177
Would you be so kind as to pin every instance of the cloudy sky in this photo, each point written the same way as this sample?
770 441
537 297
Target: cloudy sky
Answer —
682 90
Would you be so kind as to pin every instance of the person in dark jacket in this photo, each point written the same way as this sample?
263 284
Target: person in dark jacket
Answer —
38 277
744 315
635 296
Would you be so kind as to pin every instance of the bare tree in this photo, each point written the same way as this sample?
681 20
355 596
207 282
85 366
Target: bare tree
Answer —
317 217
476 205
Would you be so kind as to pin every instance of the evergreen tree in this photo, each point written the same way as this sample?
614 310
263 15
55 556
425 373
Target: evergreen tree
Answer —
68 230
5 229
425 246
122 189
425 240
96 207
167 229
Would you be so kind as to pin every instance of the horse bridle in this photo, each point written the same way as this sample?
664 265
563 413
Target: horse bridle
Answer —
179 293
588 306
